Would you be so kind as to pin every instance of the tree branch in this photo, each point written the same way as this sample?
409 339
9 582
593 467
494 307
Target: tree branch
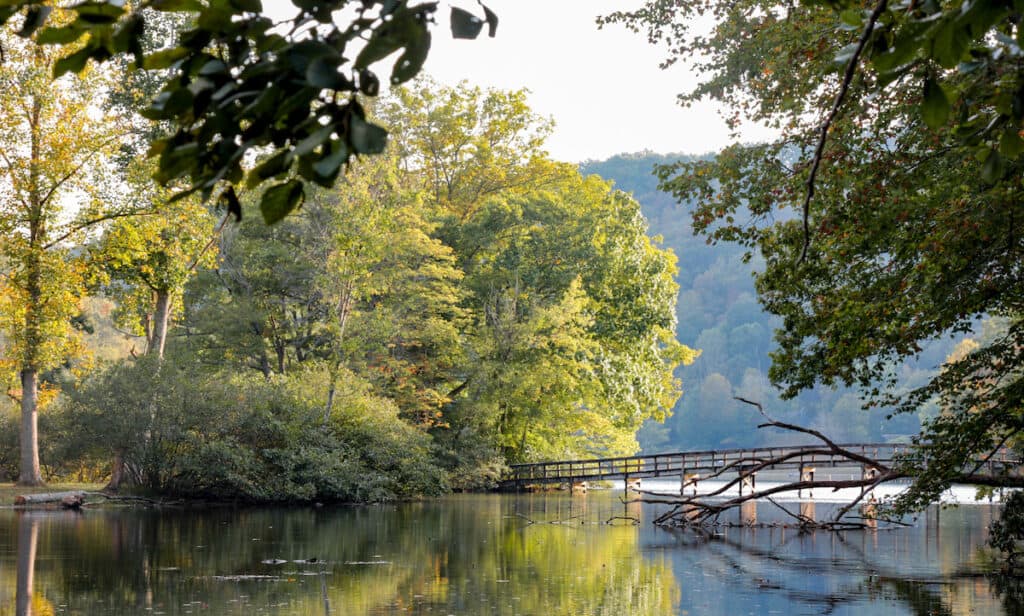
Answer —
844 86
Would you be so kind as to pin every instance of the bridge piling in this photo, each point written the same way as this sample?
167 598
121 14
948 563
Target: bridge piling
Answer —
806 474
688 479
747 480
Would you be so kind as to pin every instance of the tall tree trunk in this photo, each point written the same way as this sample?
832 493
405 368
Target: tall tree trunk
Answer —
161 317
28 471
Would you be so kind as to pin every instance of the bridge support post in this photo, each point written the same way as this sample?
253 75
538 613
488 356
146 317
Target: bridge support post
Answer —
688 479
806 474
577 487
747 480
632 484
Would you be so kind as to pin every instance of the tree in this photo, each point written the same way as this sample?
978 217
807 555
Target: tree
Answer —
52 143
149 258
571 304
886 211
241 83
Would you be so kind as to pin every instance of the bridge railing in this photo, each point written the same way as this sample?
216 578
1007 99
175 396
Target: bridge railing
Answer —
668 464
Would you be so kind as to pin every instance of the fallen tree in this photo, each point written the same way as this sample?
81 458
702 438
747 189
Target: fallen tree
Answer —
704 510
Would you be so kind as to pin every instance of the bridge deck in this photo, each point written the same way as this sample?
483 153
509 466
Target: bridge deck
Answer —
683 463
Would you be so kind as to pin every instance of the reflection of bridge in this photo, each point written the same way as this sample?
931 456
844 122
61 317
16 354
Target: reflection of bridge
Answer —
690 465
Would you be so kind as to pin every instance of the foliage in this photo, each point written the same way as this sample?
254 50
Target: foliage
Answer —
53 140
226 86
1007 533
907 232
571 304
244 437
718 313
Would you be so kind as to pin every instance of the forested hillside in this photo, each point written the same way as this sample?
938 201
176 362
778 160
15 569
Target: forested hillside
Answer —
719 314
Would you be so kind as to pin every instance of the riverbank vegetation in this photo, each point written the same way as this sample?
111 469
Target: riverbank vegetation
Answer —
454 304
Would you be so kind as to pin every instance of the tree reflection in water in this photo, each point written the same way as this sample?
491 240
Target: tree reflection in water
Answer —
758 560
494 555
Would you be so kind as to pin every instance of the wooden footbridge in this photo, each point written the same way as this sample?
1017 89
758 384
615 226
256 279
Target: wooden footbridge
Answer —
690 466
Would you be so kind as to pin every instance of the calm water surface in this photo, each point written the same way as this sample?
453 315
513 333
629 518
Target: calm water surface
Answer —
543 554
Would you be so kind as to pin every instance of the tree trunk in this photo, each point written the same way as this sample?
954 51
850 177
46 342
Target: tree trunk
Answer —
29 473
161 317
116 472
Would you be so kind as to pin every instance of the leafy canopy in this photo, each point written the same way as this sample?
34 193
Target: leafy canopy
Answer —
888 208
236 82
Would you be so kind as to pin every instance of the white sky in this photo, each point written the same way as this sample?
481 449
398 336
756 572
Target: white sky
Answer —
603 88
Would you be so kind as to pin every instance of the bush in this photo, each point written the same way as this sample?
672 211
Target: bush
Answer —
249 438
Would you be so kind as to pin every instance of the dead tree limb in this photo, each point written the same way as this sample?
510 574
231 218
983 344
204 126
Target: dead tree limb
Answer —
703 510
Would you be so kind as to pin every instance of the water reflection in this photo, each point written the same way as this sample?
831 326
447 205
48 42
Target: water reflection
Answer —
28 536
535 554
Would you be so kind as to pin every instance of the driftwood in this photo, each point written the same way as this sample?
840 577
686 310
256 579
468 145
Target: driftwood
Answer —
68 500
76 499
703 510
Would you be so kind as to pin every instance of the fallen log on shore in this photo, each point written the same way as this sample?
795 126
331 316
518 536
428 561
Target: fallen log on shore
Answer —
68 500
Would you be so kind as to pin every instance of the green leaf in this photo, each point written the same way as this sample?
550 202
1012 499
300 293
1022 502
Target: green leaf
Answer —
99 13
59 36
383 43
35 17
950 43
465 25
368 83
213 67
492 21
280 200
73 63
323 72
276 164
366 138
1010 144
231 202
411 62
128 36
852 17
993 169
314 139
6 12
166 58
329 165
249 6
935 106
170 6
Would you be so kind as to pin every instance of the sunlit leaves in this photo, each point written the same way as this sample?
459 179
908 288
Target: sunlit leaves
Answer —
273 89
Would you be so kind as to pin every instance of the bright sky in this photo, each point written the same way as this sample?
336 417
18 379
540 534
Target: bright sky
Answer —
602 87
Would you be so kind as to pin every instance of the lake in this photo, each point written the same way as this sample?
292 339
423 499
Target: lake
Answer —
531 554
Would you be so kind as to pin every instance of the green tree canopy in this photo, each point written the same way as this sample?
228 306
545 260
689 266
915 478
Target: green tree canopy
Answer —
236 82
887 209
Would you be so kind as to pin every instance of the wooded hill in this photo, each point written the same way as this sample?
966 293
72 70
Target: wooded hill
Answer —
719 314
